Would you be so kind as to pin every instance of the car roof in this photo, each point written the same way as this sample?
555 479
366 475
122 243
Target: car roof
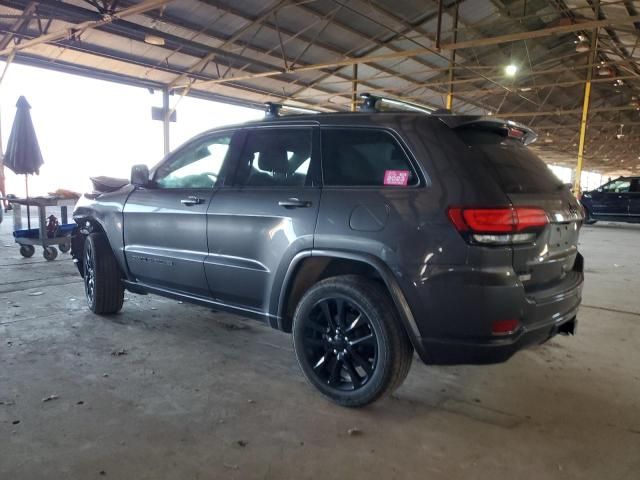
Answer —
453 121
328 118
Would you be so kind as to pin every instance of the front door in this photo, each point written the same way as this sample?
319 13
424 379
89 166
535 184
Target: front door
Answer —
268 214
165 224
611 201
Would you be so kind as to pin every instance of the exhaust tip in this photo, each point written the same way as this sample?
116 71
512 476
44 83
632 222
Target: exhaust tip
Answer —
569 327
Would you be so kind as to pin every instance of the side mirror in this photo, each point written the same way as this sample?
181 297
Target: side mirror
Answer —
140 175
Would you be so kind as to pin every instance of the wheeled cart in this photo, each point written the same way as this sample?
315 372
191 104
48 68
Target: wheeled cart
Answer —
29 238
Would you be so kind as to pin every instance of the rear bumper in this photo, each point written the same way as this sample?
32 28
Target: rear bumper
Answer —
454 352
465 326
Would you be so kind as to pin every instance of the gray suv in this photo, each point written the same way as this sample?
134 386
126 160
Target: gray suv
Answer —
366 235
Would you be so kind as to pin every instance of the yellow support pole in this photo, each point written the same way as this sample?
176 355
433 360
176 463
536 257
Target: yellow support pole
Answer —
449 105
585 115
354 89
583 134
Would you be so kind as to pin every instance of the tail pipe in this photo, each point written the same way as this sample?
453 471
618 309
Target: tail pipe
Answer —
569 327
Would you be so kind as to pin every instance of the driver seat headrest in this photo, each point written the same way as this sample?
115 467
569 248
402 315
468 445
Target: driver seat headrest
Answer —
274 159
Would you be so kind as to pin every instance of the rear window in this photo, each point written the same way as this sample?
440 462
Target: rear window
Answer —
364 157
516 168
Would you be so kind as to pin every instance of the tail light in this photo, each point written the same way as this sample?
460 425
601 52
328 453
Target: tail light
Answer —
504 327
498 226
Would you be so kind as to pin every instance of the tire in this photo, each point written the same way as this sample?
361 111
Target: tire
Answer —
102 280
357 356
27 251
588 219
49 253
64 247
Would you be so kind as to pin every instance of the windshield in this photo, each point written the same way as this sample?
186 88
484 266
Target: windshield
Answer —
516 168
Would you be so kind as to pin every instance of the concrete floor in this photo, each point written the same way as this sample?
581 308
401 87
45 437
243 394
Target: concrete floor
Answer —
170 390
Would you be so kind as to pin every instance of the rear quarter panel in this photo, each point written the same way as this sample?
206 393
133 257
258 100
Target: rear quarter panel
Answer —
426 255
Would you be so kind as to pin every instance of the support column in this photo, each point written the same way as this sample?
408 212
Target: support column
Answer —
452 60
585 113
439 24
166 120
354 88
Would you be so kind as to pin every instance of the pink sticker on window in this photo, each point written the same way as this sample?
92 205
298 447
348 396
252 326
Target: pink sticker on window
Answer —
396 177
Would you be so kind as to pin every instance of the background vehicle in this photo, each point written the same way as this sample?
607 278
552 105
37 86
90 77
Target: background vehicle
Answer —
365 235
615 201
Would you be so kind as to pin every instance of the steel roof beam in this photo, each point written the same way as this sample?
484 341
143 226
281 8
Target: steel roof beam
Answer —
85 26
426 51
70 13
21 23
24 58
330 49
207 55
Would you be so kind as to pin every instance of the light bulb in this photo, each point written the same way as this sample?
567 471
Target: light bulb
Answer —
510 70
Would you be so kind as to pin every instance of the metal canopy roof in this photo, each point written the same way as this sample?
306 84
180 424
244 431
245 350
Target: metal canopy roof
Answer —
303 52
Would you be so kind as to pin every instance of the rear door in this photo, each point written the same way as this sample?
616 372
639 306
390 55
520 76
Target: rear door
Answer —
634 200
611 201
165 225
528 182
265 217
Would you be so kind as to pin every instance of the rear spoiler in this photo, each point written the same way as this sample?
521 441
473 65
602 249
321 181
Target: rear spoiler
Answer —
512 129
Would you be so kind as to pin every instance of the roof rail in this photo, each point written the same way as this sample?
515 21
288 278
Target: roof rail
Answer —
372 103
272 110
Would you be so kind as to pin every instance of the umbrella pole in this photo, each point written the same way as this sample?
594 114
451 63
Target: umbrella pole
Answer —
26 187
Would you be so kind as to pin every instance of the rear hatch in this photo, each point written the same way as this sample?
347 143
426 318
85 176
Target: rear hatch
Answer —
528 183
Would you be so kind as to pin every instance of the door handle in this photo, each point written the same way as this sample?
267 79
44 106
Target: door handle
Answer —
294 203
191 201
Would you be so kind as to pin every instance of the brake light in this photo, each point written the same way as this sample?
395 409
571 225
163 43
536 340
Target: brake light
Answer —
527 218
515 133
503 225
504 327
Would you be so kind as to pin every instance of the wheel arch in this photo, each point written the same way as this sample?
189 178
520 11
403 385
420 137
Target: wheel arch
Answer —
84 226
89 221
309 267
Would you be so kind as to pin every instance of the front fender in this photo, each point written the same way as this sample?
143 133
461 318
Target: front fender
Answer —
104 213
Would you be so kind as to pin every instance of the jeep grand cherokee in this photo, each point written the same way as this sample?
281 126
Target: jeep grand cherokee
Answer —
366 235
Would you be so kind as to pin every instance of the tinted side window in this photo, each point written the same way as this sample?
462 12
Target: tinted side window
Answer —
275 157
362 157
196 166
617 186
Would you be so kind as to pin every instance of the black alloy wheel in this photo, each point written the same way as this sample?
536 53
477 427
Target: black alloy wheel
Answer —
89 273
102 277
340 343
349 340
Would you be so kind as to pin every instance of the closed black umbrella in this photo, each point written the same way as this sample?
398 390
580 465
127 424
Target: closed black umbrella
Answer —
23 154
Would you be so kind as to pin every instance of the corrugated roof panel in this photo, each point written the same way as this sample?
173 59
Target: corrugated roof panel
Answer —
199 26
410 9
477 11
